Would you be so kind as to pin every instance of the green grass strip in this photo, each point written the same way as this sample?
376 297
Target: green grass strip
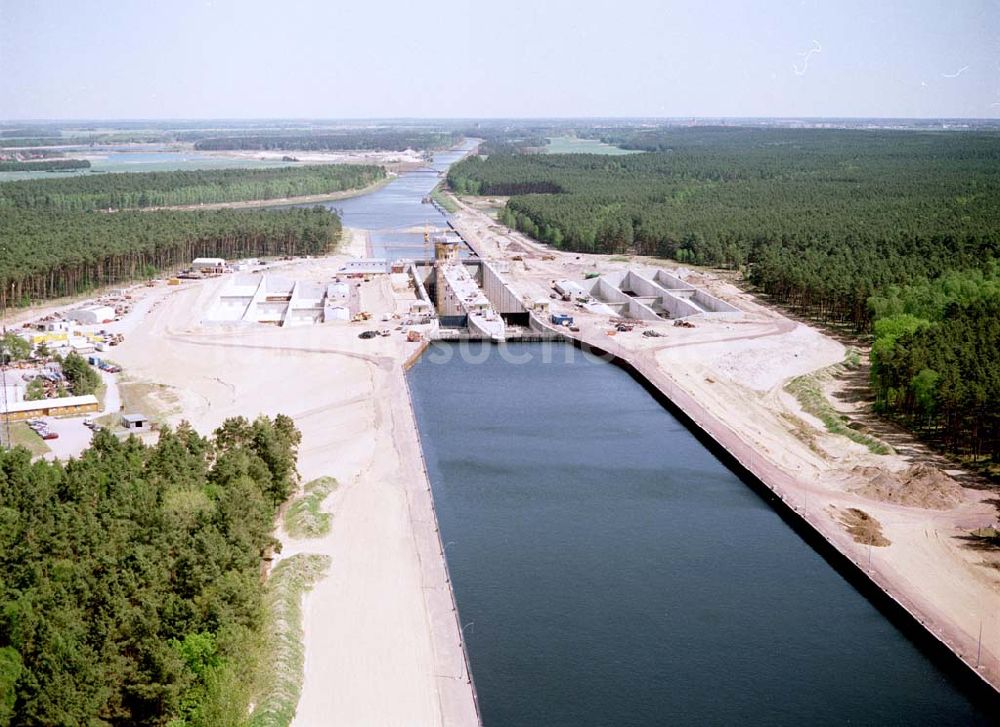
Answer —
284 663
304 519
809 393
444 200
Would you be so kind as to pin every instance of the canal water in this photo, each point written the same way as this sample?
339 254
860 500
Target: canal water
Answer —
394 215
609 570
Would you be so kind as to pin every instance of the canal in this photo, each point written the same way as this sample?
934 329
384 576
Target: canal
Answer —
395 215
609 570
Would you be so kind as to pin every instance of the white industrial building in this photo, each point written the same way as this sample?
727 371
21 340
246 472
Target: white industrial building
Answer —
279 301
366 266
336 305
91 315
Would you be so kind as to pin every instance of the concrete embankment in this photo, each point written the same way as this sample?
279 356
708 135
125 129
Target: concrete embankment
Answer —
968 659
456 690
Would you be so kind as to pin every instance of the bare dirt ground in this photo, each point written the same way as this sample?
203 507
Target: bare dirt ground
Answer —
729 376
396 161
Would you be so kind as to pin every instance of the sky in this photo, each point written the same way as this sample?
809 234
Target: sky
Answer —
329 59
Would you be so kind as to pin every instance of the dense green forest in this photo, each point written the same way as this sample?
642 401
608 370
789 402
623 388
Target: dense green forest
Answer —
43 165
46 253
130 578
850 226
159 189
81 140
936 358
508 139
377 139
30 131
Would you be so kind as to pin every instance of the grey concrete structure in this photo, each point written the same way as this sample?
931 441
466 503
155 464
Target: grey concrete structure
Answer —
423 307
459 294
633 294
504 300
609 290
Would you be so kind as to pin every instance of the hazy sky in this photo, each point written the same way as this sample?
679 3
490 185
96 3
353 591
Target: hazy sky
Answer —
446 58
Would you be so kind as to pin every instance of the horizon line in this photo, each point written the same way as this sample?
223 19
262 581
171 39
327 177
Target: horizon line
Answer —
51 120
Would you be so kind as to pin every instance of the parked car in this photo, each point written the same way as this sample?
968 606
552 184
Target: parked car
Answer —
50 435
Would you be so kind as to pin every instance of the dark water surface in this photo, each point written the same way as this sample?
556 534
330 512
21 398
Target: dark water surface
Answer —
609 570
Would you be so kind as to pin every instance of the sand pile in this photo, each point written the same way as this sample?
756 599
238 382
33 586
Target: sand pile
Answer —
863 527
918 486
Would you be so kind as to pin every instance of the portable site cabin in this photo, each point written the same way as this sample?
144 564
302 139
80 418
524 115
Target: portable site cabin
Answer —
421 309
135 422
570 288
82 346
209 265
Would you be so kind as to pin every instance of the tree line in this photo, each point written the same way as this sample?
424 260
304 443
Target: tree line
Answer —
375 140
512 139
81 140
130 578
48 254
935 362
30 131
43 165
159 189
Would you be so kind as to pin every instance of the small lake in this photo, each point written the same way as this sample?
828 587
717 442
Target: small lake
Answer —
145 158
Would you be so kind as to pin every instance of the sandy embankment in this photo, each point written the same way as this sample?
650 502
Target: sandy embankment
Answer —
729 377
396 161
382 643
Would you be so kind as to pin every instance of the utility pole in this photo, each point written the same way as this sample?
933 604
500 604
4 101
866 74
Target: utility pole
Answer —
7 442
979 648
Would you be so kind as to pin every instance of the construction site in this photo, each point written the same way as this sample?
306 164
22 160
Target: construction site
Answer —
457 294
343 329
